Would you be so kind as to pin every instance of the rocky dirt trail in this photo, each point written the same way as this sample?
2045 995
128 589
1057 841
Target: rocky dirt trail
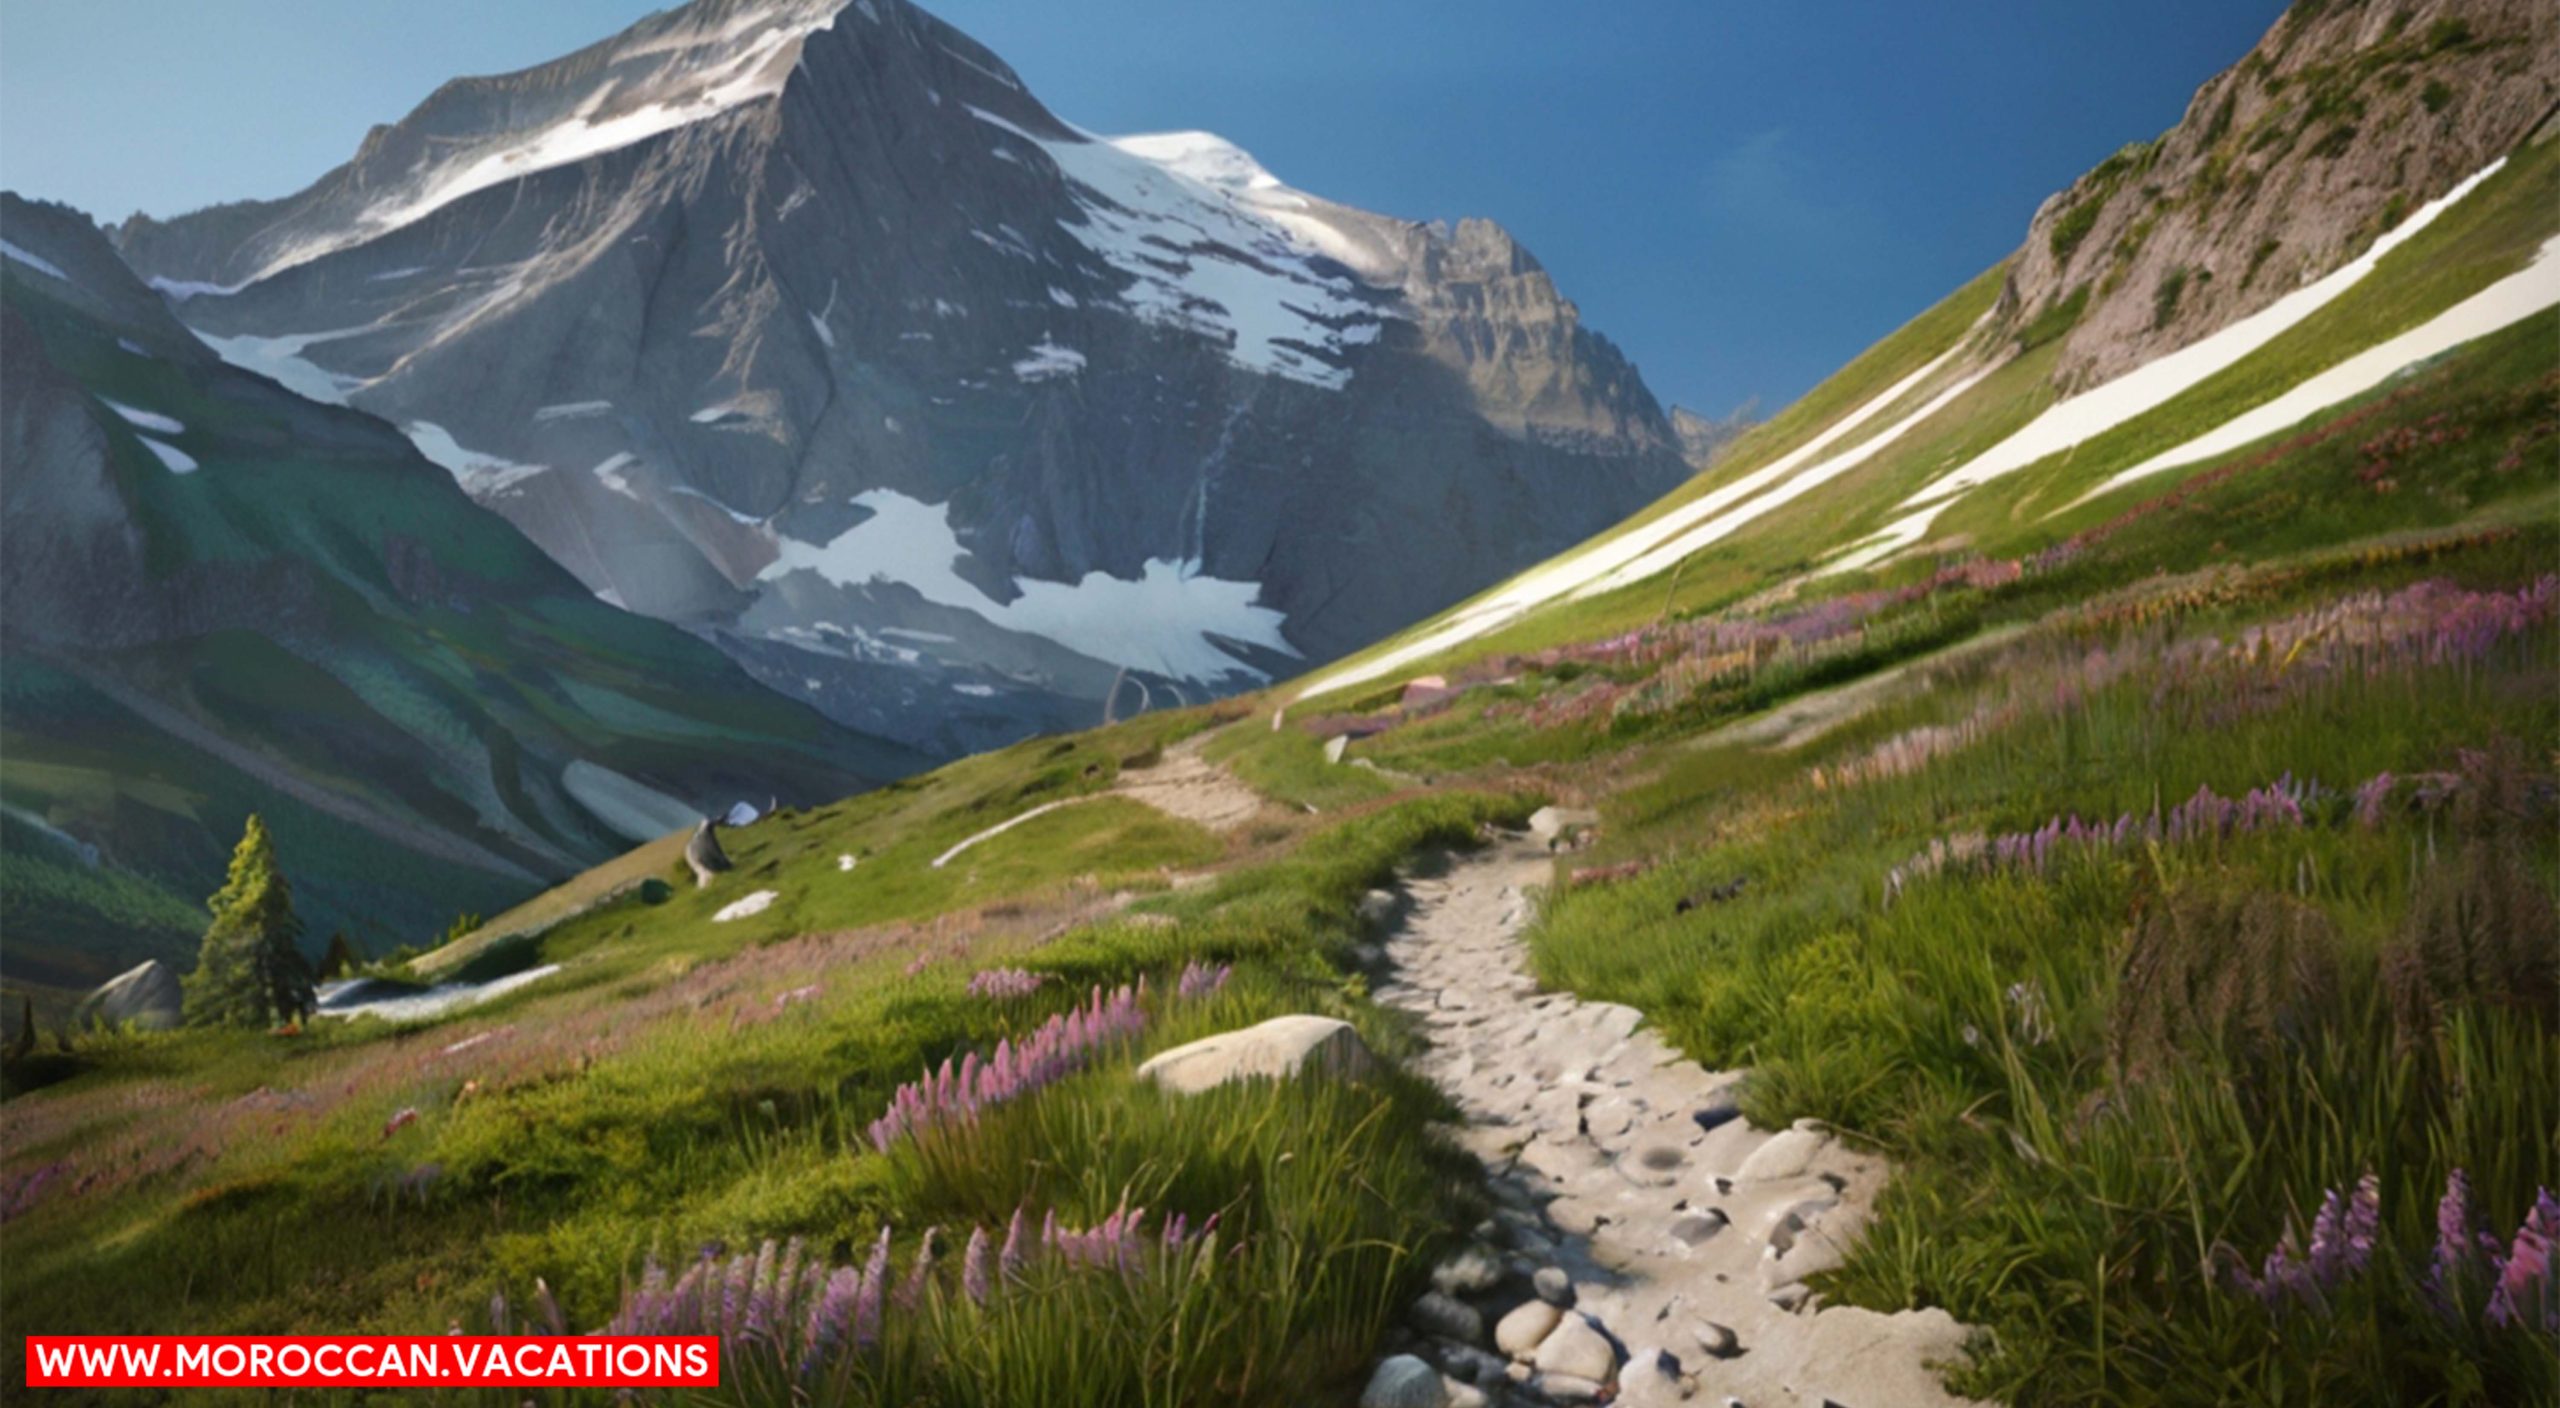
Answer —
1188 787
1649 1243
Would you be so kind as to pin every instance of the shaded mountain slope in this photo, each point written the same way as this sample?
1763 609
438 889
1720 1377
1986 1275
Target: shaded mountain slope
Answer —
221 597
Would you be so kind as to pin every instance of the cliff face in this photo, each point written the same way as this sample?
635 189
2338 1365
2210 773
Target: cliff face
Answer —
811 329
2344 117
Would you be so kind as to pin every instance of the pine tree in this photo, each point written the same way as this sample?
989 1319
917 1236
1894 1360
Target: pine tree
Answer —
342 958
251 972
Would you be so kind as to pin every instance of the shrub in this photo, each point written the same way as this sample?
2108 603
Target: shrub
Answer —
2480 931
2164 299
2243 977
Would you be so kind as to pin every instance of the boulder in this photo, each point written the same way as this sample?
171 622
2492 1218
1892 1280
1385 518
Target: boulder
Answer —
1404 1381
1787 1154
1519 1333
1577 1349
1278 1048
1549 823
145 995
1440 1313
703 852
1336 746
1553 1286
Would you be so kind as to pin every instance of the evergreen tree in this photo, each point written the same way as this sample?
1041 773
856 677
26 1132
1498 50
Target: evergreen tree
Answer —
342 958
251 972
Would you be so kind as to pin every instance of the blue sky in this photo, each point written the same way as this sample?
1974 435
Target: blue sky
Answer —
1742 194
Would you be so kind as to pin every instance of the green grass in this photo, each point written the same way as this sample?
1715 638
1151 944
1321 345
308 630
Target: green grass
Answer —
660 1093
2072 1214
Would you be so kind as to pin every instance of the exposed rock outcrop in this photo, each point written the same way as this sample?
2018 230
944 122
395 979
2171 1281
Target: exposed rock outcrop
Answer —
145 996
929 408
2344 118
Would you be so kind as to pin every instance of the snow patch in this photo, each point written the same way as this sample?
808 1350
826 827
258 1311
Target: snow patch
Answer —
2146 388
2510 300
1608 559
1196 226
36 262
148 420
609 473
975 691
180 290
740 62
1161 623
1047 359
177 461
570 410
478 473
280 358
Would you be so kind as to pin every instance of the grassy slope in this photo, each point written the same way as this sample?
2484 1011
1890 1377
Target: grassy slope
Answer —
447 721
2076 1193
2483 239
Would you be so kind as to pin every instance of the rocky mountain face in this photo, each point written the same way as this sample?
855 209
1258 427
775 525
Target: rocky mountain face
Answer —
218 597
2344 118
1702 438
804 325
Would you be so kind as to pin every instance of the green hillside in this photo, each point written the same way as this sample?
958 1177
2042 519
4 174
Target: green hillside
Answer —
2160 880
315 624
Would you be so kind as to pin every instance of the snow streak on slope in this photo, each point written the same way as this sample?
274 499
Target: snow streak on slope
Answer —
708 73
1615 561
2505 303
1185 216
1161 623
36 262
2144 389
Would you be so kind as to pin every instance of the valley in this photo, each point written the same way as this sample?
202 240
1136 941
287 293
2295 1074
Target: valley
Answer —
2026 877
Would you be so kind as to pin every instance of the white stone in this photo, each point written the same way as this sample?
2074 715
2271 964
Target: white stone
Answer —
1577 1348
1274 1049
1786 1154
1548 823
1519 1333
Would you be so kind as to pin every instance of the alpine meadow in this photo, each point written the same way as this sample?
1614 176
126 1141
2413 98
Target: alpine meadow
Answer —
742 685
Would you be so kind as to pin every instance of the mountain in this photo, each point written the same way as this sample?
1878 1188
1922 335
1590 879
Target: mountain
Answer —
1991 418
2013 884
1702 438
806 326
2339 123
218 597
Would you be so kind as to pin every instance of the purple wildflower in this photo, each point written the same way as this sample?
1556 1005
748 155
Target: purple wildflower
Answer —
920 1273
2525 1283
1202 980
958 1093
1017 1245
866 1300
1006 983
973 1266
